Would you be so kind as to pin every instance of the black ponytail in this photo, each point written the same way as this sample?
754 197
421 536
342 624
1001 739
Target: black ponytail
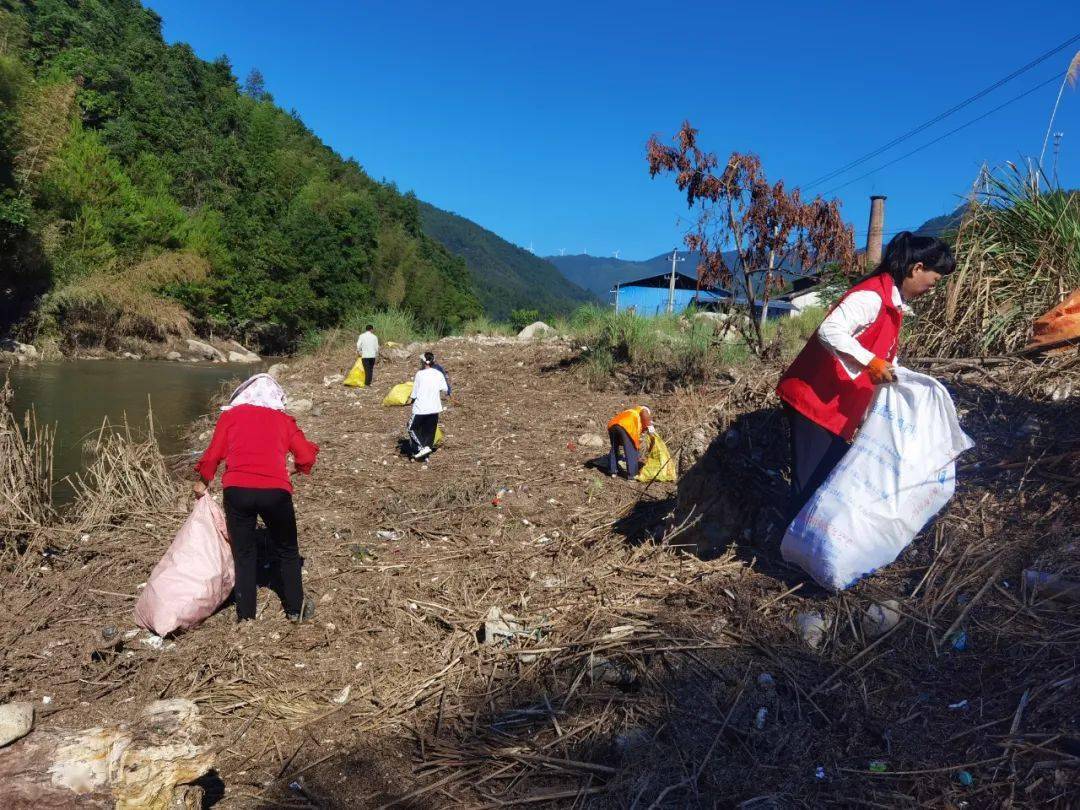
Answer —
906 250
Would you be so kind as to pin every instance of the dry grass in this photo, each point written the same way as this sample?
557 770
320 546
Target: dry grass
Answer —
26 452
635 681
126 478
1018 255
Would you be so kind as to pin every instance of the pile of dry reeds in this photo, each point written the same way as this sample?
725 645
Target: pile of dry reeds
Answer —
1018 255
26 453
127 476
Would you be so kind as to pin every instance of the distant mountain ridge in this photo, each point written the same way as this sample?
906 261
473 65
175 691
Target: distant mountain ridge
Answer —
505 277
599 274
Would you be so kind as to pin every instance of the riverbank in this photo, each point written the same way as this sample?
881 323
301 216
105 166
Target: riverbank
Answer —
638 668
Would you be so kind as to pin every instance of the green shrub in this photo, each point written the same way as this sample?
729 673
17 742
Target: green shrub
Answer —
520 318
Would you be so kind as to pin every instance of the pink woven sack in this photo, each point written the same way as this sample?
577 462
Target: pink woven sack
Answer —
194 577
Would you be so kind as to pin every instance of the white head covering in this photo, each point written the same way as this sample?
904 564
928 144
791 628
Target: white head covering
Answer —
261 390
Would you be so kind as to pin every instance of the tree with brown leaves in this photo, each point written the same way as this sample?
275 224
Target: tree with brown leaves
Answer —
766 225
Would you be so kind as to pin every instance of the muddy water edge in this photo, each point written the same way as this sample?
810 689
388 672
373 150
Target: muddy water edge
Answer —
76 397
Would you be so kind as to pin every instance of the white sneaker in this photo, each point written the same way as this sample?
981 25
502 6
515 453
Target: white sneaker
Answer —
424 452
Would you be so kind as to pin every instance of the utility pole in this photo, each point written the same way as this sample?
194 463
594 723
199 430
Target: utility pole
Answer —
675 258
616 291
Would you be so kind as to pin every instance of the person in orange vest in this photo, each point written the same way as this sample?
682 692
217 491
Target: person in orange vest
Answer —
625 430
827 389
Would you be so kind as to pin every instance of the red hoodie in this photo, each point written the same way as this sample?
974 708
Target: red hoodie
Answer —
253 442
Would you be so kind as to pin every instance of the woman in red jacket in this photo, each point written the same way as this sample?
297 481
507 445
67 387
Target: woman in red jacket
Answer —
253 436
828 388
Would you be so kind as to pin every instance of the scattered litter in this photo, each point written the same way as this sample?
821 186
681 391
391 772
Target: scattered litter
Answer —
819 773
812 626
384 534
342 697
959 640
46 699
965 778
131 634
501 628
877 766
759 719
880 618
154 642
765 680
963 704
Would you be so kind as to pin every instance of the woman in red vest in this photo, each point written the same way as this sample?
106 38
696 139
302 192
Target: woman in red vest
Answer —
828 388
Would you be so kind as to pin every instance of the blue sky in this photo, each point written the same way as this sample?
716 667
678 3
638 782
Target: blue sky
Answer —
532 118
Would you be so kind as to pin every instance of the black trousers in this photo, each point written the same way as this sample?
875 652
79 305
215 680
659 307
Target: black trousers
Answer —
620 438
369 370
814 453
242 506
422 428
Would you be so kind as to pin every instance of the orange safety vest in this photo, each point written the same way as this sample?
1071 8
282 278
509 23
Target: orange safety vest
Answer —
630 421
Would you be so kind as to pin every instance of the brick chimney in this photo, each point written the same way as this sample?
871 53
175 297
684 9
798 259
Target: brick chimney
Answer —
876 231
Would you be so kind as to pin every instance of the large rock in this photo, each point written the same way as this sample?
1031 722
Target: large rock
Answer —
22 349
150 763
300 406
16 720
174 356
277 371
242 354
536 330
205 350
592 440
248 357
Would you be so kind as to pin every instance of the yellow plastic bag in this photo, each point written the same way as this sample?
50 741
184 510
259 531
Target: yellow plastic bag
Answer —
356 377
438 435
659 465
399 394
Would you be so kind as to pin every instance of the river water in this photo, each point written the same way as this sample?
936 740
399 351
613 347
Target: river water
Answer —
75 396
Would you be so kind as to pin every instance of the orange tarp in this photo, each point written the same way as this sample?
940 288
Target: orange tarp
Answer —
1058 326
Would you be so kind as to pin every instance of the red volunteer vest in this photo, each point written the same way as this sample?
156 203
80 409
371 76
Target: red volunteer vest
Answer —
818 387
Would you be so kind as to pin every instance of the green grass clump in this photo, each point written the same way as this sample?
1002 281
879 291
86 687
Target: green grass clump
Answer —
484 325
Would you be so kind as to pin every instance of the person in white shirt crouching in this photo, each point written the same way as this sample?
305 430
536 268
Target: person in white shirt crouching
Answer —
429 385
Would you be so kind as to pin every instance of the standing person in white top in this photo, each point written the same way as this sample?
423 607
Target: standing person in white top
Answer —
429 385
367 346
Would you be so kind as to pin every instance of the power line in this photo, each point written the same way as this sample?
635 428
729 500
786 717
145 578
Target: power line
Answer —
1055 78
911 133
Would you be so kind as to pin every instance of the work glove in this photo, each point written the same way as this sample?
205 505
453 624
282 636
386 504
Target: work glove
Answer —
880 371
199 488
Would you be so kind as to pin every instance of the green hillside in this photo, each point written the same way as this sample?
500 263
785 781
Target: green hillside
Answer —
505 276
144 191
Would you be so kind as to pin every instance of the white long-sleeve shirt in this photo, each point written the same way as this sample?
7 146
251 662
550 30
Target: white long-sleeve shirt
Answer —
428 384
367 345
853 316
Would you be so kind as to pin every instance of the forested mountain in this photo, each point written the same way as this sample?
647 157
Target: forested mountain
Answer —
506 276
143 190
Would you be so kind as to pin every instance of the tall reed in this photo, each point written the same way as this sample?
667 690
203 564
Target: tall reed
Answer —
1018 255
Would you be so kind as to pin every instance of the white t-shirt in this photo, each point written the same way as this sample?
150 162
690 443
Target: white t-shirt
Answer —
851 318
428 384
367 345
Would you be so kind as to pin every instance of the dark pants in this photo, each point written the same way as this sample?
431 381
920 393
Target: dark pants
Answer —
620 438
422 428
814 453
242 506
369 369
